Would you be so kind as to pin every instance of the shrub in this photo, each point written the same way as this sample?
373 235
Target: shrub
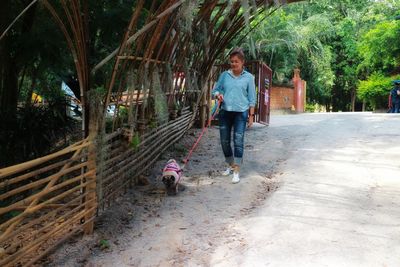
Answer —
34 131
375 90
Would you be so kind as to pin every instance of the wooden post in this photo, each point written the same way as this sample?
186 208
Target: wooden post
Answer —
91 199
209 101
203 110
305 95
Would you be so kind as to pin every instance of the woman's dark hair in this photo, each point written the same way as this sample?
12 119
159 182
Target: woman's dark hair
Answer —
237 52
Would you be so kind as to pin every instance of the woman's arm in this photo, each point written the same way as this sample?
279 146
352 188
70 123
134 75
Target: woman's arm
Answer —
219 89
252 100
251 92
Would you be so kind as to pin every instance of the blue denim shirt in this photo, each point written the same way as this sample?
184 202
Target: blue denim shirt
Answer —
239 92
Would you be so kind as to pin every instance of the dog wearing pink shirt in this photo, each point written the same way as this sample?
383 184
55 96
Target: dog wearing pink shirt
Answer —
171 176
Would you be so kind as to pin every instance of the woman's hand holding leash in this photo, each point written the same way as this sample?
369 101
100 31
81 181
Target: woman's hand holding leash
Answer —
220 97
251 120
251 117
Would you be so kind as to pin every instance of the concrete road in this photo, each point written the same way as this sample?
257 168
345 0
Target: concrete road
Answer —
339 199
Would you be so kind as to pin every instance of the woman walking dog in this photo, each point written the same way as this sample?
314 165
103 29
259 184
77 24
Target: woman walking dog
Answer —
236 89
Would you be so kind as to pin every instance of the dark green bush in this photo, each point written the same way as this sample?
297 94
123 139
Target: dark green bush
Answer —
34 131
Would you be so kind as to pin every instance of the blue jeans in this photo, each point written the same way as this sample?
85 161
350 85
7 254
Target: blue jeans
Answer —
395 108
237 121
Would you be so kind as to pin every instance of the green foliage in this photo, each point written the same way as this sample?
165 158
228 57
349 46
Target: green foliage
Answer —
152 124
109 125
186 16
375 90
123 113
290 39
135 142
33 132
380 47
334 43
104 244
310 107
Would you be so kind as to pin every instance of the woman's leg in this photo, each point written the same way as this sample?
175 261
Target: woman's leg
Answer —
239 129
396 108
226 121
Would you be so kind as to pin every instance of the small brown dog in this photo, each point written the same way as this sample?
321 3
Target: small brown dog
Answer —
171 176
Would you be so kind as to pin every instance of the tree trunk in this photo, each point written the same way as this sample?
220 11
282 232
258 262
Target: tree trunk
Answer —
353 100
8 85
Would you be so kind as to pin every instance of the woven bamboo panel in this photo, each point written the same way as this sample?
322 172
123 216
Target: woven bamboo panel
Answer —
42 201
125 163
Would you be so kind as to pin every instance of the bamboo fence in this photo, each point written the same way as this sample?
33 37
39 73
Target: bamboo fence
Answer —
47 200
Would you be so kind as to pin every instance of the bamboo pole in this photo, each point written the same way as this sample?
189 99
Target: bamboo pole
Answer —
138 33
47 168
91 200
162 145
125 164
60 219
17 18
30 164
154 135
6 233
119 50
32 209
13 259
53 178
36 200
44 217
143 59
149 164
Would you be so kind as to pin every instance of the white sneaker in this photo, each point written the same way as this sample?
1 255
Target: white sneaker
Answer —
235 178
228 171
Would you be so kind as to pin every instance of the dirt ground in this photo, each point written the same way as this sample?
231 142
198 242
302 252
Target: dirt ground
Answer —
316 190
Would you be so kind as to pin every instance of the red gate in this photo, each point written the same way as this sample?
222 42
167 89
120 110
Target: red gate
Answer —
264 93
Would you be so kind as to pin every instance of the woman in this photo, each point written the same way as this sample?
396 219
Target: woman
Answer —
236 89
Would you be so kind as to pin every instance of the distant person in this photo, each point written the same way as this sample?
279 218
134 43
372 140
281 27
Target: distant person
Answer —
236 89
395 97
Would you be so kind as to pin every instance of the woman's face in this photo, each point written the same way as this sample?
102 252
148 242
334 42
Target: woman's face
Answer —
236 64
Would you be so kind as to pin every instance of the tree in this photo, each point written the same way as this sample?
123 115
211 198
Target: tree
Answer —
35 57
322 38
12 49
380 47
345 64
293 37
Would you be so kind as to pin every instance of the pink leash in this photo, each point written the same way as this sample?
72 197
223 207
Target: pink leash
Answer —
186 160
